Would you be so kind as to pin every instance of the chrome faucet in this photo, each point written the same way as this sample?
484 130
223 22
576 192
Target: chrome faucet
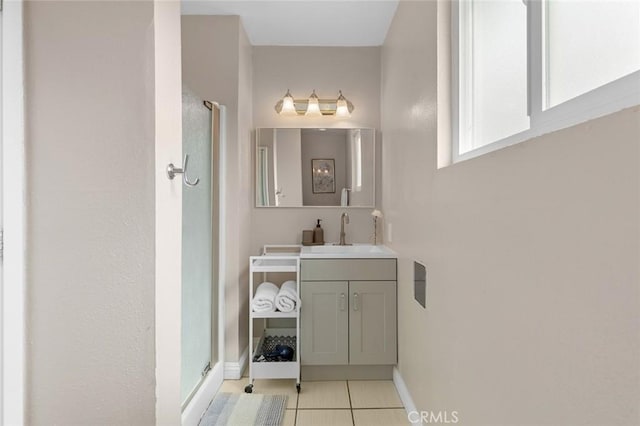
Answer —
343 219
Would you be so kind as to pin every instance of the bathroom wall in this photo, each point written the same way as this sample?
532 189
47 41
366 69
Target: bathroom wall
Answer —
354 70
531 253
216 64
246 196
90 165
168 211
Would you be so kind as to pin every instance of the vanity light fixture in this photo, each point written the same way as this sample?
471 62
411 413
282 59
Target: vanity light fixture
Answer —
314 106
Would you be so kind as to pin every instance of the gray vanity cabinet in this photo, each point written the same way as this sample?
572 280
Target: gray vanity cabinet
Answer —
372 322
348 312
324 326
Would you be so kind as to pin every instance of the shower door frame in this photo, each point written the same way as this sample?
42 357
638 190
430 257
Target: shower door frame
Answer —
197 403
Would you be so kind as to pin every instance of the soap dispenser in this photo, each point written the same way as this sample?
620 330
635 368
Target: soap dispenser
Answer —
318 234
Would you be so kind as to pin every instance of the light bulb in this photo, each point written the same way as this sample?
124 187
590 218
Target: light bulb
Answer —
313 107
288 106
342 109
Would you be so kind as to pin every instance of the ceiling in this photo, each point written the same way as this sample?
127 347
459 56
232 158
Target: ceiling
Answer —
305 23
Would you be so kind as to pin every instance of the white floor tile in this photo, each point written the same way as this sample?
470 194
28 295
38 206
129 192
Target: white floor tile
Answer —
374 394
324 418
381 417
324 395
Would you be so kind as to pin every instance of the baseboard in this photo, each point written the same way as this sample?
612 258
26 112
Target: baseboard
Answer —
312 373
234 370
405 396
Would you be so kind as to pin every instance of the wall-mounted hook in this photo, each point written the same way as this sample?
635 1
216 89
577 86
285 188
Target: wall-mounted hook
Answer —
172 171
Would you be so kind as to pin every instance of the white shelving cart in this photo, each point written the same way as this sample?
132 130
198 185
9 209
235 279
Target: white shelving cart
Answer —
265 264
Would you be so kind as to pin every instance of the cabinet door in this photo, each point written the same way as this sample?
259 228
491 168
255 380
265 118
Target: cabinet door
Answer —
324 323
372 322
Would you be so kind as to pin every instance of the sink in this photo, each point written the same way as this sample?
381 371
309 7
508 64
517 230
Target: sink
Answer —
354 251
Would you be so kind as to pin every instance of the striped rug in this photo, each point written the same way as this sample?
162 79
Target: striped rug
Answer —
228 409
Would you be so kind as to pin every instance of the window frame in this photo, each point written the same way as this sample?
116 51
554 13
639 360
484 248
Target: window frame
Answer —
603 100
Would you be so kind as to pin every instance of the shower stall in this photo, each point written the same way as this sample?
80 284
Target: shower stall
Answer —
202 339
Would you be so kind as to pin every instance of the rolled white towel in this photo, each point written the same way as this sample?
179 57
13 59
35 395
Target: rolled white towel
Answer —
287 297
265 298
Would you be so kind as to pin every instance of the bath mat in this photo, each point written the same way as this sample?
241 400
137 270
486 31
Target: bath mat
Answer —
228 409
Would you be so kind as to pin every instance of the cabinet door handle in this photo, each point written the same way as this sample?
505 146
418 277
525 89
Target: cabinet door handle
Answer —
355 301
343 305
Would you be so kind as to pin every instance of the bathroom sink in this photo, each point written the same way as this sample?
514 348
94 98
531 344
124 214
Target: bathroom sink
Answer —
353 251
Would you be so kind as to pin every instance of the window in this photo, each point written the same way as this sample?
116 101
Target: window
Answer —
524 68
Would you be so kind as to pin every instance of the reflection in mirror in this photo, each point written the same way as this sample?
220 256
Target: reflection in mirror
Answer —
315 167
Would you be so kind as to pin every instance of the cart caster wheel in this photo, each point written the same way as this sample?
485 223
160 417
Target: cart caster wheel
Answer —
248 389
298 387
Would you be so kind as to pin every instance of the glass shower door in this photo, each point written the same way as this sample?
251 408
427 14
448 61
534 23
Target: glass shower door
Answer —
198 275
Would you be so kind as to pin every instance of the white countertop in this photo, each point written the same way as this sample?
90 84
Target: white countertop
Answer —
355 251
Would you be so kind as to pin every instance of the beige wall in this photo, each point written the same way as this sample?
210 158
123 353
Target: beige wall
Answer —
168 211
216 64
354 70
90 164
531 252
244 167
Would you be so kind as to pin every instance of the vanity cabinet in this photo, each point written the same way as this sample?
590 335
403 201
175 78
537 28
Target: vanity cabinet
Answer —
348 312
324 325
372 322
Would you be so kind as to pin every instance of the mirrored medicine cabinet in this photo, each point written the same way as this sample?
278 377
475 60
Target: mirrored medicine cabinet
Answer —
315 167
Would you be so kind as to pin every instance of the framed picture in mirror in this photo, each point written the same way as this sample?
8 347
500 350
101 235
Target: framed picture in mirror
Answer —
323 175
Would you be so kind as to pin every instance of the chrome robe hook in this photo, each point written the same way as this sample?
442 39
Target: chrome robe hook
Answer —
172 171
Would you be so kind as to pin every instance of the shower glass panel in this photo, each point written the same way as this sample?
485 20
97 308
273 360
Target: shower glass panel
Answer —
198 307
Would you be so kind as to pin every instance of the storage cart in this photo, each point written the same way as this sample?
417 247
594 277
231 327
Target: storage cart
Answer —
264 368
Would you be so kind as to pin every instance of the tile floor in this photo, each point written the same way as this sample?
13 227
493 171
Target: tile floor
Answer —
335 403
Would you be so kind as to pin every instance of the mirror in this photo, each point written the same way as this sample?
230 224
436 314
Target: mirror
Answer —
315 167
